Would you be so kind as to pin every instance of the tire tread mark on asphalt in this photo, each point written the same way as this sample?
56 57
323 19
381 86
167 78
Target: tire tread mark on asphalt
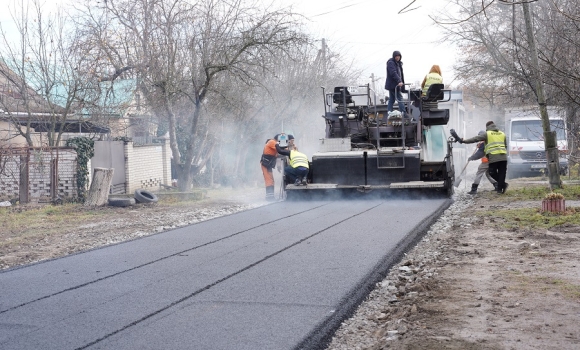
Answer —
146 317
152 262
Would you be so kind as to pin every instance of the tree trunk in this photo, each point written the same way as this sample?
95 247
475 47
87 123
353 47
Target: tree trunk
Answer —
99 191
550 144
184 177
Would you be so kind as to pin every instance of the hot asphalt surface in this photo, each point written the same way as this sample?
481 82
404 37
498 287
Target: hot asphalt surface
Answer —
281 276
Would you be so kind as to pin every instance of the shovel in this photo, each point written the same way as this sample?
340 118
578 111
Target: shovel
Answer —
459 178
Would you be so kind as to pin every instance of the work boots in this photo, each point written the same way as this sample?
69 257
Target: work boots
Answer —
270 194
473 189
505 187
495 186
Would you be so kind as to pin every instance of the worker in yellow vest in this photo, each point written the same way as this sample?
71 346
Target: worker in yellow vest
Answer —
434 77
297 171
483 168
496 152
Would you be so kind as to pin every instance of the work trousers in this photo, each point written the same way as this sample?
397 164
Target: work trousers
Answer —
483 168
268 176
497 171
395 94
295 173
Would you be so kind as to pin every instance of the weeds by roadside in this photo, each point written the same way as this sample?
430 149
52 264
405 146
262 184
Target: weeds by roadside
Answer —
514 218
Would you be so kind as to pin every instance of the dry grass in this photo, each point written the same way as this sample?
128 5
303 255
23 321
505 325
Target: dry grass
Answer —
23 223
547 286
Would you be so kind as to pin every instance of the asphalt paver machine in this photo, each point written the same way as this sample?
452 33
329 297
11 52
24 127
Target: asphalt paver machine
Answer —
368 149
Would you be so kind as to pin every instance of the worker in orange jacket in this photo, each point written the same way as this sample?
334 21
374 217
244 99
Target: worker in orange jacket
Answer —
483 167
268 161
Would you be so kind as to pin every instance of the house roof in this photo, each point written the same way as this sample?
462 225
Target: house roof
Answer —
13 91
71 126
114 97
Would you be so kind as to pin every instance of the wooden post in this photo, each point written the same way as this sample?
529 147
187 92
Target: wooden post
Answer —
54 179
99 192
23 187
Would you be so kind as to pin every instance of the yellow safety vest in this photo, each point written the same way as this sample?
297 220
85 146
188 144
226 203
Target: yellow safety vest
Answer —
432 78
495 143
298 159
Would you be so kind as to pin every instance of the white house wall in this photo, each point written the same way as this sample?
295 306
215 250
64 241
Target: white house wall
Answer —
147 166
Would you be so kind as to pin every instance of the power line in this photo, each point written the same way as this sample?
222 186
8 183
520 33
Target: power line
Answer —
340 8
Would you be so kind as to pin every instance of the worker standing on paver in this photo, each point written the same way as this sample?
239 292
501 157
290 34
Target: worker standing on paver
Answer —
483 168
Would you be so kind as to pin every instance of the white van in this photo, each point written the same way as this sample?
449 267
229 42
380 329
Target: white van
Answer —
525 135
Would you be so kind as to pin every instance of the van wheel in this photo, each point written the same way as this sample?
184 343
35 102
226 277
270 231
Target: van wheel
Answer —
144 196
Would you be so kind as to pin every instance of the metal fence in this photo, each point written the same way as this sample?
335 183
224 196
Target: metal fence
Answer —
37 174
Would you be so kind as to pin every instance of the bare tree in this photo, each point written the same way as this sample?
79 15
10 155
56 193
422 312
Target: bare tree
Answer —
178 52
497 43
286 97
44 85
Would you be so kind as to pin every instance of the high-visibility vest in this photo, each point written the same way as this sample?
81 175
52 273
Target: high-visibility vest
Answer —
495 143
432 78
298 159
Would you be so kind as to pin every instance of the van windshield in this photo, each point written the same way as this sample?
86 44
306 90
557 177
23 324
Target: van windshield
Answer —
531 130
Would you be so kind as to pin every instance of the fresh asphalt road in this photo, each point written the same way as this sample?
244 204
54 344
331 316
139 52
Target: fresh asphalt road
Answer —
281 276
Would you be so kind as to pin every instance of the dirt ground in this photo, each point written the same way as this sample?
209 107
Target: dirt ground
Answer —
470 285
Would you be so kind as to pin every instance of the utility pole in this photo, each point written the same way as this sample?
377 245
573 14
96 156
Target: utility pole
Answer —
373 82
552 153
323 60
373 85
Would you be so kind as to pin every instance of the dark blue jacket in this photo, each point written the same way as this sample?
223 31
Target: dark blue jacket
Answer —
480 153
394 72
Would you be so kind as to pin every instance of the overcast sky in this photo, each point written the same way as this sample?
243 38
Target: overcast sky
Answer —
367 32
370 30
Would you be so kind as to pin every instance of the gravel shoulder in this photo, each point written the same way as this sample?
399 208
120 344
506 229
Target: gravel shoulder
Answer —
466 285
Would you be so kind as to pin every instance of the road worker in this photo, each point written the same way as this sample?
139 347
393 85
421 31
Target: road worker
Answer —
297 171
483 168
496 152
269 160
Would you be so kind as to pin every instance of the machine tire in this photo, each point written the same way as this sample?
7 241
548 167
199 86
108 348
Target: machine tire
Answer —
121 202
450 187
144 196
